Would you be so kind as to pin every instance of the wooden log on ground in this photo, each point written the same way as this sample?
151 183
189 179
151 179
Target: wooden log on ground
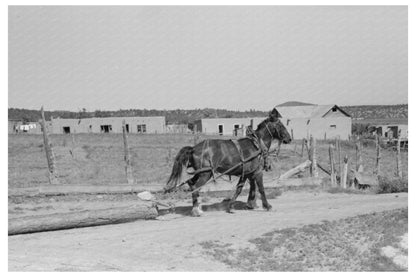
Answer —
81 189
295 170
61 221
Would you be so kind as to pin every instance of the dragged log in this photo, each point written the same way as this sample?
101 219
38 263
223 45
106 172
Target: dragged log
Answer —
51 190
61 221
298 169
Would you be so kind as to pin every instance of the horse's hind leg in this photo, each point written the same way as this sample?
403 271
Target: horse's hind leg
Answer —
251 201
194 184
240 186
259 182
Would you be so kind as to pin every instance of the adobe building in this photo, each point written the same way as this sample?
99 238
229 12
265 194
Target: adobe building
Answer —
143 125
320 121
226 126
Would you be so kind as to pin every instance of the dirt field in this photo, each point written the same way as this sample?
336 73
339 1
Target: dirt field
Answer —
97 159
177 242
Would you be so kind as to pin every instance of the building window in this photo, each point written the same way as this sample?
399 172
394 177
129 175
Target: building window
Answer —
66 129
106 128
220 129
141 128
236 128
127 128
287 123
332 126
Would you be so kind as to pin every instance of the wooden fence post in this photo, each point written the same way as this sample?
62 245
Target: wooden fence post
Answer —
378 156
50 157
338 145
399 160
332 163
303 146
358 156
345 173
129 170
312 151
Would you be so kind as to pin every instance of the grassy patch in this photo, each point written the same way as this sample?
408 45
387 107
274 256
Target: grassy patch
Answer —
99 158
347 190
351 244
392 185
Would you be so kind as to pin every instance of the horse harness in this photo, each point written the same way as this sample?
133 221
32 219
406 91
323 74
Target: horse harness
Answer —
256 141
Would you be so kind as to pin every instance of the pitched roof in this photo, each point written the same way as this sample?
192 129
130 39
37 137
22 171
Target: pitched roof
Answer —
294 103
310 111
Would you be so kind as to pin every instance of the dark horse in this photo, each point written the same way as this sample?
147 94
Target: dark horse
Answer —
220 155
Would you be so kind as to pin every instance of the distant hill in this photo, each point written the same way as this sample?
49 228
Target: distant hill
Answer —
172 116
294 103
377 111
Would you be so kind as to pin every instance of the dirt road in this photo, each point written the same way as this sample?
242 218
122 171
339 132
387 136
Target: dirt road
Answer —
172 243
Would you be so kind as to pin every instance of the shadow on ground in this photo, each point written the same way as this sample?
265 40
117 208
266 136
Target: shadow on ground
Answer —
221 206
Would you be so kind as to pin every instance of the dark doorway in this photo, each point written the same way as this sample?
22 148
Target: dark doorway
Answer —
220 129
394 131
127 128
106 128
66 129
236 128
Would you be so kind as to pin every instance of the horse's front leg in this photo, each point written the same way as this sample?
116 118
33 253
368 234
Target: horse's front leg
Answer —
238 190
259 181
195 183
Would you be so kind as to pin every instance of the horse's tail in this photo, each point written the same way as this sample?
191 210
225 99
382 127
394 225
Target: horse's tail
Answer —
180 161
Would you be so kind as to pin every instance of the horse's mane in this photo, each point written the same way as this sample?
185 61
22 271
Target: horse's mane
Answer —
263 123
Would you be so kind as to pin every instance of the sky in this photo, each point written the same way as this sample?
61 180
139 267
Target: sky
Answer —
186 57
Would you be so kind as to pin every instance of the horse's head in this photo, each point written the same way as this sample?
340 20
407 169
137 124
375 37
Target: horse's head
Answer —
282 133
276 128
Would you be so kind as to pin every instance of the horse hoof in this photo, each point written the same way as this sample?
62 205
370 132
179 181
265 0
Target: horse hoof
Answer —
251 206
268 207
196 212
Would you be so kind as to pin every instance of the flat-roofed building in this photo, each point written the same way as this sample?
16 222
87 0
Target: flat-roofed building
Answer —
143 125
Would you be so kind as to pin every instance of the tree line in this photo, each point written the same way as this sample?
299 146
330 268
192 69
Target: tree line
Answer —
182 116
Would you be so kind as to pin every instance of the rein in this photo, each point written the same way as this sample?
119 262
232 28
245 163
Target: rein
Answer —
270 133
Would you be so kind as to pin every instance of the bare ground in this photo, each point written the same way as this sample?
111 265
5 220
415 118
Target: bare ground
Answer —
173 241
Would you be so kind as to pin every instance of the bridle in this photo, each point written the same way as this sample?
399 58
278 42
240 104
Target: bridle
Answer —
267 127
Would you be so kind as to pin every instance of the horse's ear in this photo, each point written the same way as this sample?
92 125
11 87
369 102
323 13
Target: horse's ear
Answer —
274 115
